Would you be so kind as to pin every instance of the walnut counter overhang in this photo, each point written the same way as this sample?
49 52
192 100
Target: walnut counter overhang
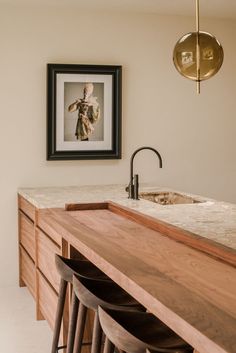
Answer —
191 291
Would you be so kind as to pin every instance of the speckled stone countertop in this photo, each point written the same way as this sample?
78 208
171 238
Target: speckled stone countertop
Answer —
211 219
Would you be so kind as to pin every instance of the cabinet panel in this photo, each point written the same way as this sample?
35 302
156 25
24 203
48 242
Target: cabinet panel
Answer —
46 250
27 270
44 224
27 238
27 208
47 299
47 305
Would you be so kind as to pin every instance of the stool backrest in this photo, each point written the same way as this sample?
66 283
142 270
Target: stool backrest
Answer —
90 292
111 323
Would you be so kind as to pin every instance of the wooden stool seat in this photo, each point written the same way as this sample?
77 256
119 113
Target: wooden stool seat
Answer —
135 332
93 293
83 268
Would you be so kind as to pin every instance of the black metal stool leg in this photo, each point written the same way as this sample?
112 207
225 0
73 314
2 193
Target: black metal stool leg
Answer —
72 323
109 346
80 328
59 315
97 335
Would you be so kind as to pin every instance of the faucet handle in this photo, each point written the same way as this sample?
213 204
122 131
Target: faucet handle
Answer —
130 189
136 187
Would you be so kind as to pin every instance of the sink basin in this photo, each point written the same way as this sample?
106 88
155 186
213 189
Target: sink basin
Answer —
168 198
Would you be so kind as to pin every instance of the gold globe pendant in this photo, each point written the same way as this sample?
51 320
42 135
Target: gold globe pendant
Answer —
185 55
198 55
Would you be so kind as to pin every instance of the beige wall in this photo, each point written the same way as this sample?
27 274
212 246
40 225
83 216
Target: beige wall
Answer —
195 134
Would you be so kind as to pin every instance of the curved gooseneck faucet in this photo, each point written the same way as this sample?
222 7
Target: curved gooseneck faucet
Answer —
133 184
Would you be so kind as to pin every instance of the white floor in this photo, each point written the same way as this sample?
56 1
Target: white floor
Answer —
19 331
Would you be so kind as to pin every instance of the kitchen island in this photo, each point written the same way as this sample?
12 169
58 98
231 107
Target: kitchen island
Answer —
192 291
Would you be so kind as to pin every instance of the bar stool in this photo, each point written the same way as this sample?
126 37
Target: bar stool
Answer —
136 332
91 293
67 268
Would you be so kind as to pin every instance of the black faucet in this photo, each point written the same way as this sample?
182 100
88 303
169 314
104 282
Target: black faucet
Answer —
133 186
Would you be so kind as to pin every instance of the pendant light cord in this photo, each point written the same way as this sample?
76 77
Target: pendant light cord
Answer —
197 47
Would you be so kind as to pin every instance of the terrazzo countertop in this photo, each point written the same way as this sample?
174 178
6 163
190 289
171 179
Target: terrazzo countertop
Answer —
211 219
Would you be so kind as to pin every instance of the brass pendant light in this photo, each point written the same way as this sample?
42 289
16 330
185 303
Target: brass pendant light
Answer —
198 55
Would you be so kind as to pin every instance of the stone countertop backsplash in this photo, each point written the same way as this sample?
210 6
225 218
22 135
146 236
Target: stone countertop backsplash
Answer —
214 220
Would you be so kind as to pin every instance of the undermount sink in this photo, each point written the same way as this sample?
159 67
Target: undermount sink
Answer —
168 198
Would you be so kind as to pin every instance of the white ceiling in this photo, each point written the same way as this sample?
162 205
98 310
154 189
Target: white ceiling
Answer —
208 8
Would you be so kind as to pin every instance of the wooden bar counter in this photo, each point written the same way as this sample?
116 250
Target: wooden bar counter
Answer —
189 284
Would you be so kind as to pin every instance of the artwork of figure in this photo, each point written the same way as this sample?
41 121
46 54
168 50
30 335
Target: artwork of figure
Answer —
88 113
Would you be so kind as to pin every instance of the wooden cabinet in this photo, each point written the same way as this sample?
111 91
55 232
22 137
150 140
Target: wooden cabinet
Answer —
37 269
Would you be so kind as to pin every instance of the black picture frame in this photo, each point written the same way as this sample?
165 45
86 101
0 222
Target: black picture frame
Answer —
65 79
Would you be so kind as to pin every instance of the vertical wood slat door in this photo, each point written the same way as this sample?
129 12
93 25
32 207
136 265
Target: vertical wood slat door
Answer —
26 243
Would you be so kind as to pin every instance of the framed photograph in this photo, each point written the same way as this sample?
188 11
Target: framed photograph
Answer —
83 112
